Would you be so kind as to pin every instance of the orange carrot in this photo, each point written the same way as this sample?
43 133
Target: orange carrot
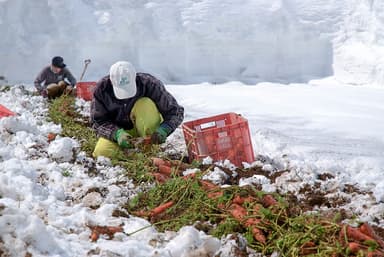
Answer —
94 236
356 234
258 235
251 222
207 185
375 253
51 137
106 230
114 229
166 170
240 200
355 247
161 208
161 178
214 195
308 248
368 230
238 212
158 161
269 200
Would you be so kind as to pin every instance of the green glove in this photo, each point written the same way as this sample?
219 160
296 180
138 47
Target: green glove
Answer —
123 138
161 133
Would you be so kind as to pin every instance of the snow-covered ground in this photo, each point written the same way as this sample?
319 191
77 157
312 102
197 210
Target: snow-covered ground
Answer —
47 200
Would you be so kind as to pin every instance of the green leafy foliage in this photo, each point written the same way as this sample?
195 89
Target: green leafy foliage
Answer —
62 111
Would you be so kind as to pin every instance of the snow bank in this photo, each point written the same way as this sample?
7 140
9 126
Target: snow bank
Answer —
189 41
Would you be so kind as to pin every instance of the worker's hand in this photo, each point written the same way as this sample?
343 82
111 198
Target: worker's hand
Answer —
160 135
68 90
140 142
123 138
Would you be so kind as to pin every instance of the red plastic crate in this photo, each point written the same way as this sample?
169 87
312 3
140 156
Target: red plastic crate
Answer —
5 112
224 136
85 90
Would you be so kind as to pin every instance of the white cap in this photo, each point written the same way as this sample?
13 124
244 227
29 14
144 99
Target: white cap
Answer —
123 78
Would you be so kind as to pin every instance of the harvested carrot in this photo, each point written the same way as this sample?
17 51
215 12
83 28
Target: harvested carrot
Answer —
375 253
214 195
94 236
238 212
356 234
241 200
166 170
115 229
161 208
269 200
238 200
51 137
207 185
179 164
258 235
368 230
308 248
354 247
161 178
252 222
158 161
106 230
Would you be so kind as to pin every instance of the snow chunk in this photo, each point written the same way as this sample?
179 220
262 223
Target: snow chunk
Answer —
61 149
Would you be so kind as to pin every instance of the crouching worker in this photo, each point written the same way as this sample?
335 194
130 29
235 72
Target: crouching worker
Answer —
55 79
127 105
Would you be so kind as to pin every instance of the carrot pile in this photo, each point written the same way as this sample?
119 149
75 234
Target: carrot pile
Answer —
361 240
236 209
166 168
246 210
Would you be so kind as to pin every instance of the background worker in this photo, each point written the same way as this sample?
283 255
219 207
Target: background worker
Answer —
127 105
55 79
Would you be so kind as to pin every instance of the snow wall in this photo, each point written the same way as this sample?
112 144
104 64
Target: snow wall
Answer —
192 41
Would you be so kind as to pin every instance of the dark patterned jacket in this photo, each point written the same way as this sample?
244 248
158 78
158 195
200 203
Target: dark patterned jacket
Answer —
108 113
47 76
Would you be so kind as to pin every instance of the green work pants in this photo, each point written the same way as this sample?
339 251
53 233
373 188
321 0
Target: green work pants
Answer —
145 117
